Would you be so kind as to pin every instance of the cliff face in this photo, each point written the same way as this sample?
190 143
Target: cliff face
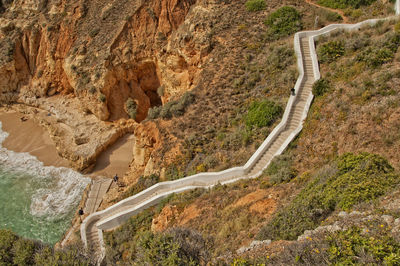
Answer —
103 52
85 59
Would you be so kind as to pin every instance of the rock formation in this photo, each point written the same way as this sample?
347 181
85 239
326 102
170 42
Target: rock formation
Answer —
97 55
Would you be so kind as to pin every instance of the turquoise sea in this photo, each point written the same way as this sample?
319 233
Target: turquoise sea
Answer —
37 202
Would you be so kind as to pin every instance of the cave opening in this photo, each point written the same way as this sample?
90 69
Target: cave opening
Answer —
134 83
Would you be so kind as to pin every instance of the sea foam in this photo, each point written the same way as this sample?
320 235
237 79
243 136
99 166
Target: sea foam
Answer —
61 187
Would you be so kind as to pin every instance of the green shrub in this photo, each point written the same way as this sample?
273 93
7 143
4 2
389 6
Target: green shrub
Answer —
172 108
173 172
375 57
347 247
330 51
356 44
280 169
154 112
379 52
175 247
262 114
7 240
345 3
330 16
283 22
350 180
134 244
165 111
255 5
23 250
320 87
364 243
160 248
131 108
102 97
15 250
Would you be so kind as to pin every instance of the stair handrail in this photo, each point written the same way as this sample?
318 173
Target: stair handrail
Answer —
232 174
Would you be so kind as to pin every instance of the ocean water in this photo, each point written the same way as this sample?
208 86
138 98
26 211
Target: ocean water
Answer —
37 201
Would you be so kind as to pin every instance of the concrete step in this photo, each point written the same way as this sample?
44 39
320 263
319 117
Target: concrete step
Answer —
298 113
296 121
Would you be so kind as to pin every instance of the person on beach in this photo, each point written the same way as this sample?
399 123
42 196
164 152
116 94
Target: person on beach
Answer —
115 178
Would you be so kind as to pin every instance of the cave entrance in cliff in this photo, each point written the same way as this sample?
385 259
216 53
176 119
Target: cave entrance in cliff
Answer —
138 82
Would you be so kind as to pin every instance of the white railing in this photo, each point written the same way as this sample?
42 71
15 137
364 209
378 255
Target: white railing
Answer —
113 216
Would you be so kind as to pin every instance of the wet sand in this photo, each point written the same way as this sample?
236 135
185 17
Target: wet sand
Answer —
28 136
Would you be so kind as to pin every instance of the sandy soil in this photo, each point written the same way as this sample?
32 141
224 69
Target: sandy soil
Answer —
116 159
28 136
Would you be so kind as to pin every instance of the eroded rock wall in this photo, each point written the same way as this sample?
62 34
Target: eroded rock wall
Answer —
103 52
94 56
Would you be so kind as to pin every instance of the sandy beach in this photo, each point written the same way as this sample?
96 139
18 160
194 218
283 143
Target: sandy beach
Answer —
28 136
116 159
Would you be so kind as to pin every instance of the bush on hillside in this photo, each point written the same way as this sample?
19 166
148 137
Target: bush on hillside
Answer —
175 247
255 5
320 87
350 180
345 3
380 52
354 246
140 246
131 108
330 51
362 243
262 114
280 169
330 16
283 22
172 108
15 250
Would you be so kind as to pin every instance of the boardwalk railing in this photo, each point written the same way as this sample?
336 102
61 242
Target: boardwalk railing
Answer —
118 213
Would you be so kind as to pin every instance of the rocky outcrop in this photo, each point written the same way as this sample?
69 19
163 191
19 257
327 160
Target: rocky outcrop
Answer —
127 51
99 54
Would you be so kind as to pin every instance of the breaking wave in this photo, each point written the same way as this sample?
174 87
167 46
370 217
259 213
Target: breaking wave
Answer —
58 189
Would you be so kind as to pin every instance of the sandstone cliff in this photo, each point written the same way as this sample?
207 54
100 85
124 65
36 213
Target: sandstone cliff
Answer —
91 57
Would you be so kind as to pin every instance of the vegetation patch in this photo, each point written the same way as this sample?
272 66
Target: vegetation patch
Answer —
320 87
281 169
283 22
173 108
362 241
345 3
263 113
255 5
15 250
133 243
349 180
330 51
380 53
131 108
353 246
